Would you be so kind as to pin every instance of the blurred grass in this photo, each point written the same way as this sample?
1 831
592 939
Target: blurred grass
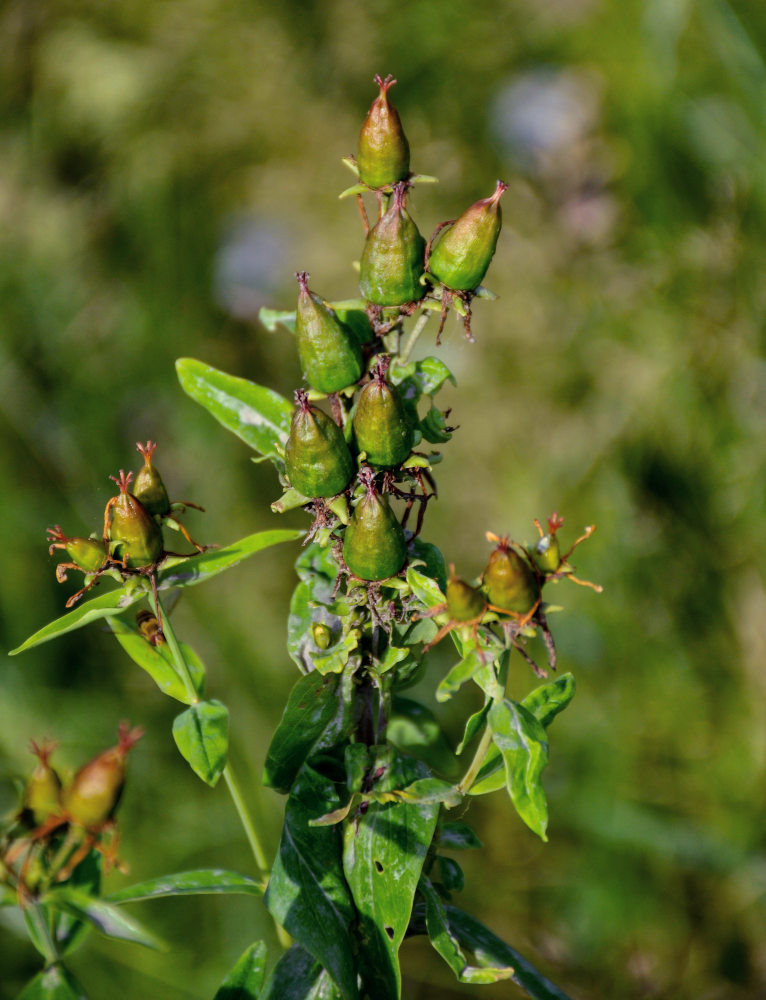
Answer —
164 169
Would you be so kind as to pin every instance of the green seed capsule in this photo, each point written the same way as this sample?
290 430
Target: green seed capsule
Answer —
463 252
129 524
42 793
546 552
381 425
322 635
392 259
374 547
464 602
383 153
317 459
509 581
88 554
149 487
95 791
330 354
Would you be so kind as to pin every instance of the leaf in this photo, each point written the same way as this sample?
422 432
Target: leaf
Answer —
307 893
158 663
425 790
298 976
415 730
384 851
434 427
457 837
197 882
53 983
272 318
433 560
425 589
448 946
318 714
187 572
520 738
491 950
458 675
427 376
257 415
104 606
70 932
245 980
546 701
202 737
105 917
473 726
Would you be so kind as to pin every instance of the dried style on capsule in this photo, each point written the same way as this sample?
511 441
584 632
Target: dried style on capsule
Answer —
330 354
381 425
374 546
317 459
393 257
383 153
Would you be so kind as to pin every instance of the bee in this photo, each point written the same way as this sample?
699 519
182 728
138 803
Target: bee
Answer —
149 627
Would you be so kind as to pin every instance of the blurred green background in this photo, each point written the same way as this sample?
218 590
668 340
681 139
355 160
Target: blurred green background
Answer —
164 169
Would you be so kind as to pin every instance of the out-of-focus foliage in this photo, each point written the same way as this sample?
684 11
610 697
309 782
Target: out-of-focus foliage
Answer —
164 169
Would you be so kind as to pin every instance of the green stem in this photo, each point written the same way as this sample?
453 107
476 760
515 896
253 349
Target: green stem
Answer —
247 823
465 783
413 338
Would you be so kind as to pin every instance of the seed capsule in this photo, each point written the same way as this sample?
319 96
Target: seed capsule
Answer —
383 153
464 602
546 552
95 791
42 793
317 459
381 425
322 635
330 353
129 524
463 252
392 259
508 580
374 547
149 487
87 554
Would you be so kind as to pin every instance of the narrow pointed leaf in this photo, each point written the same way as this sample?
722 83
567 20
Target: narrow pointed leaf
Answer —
54 983
272 318
177 572
384 851
245 980
107 918
104 606
257 415
425 589
415 730
202 737
158 663
69 931
307 893
298 976
457 836
520 738
458 675
199 882
546 701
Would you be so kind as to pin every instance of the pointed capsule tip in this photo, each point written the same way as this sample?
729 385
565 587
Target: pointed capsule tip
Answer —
302 278
385 85
500 188
147 450
124 481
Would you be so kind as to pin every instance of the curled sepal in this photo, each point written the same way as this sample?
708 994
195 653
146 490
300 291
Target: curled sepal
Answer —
462 253
383 153
330 354
381 424
135 537
393 256
317 460
374 547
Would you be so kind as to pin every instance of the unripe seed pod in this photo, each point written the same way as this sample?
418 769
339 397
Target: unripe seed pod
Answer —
509 581
95 791
546 553
381 425
393 256
330 353
130 524
383 153
464 602
42 792
87 553
317 459
322 635
149 487
374 547
463 253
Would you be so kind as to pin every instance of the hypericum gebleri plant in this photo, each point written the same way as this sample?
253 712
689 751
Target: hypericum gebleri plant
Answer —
365 855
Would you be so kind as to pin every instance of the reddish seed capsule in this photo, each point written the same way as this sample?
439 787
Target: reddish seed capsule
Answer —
383 153
148 486
509 581
128 524
92 798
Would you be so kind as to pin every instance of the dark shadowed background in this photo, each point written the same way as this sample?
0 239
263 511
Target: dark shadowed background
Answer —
165 167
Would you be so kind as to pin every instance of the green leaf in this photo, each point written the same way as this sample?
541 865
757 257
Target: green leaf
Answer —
307 893
428 375
491 777
69 931
457 837
197 882
458 675
53 983
434 427
520 738
183 572
383 856
245 980
104 606
318 715
425 790
272 318
298 976
158 662
425 589
257 415
473 726
447 944
434 564
546 701
202 737
105 917
415 730
492 951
